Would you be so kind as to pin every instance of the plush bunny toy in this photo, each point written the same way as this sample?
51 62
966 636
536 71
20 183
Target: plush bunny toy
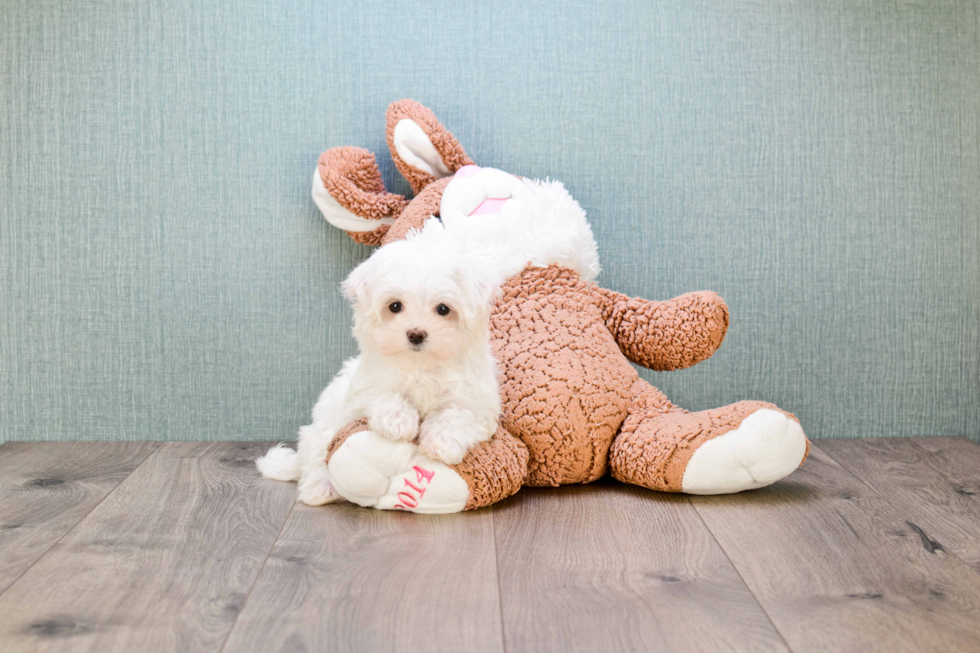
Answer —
574 408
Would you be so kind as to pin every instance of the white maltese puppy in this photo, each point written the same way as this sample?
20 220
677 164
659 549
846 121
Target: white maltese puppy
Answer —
421 319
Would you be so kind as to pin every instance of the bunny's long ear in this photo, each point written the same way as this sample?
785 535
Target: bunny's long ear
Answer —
422 148
348 190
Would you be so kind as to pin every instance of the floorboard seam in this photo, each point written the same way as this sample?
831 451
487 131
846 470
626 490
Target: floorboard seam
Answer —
739 574
500 590
885 498
248 594
82 518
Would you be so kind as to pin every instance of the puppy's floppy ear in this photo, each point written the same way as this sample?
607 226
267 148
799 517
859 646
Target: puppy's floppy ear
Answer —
348 190
422 148
357 287
480 289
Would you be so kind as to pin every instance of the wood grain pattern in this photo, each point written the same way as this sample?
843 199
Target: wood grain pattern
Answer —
193 551
935 482
48 487
613 567
839 569
162 564
343 578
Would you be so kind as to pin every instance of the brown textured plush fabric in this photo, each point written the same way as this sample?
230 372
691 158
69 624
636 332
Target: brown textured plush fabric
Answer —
452 153
351 176
669 335
424 206
494 470
568 388
369 238
566 385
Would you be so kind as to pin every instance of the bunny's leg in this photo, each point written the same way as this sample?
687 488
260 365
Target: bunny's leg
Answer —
742 446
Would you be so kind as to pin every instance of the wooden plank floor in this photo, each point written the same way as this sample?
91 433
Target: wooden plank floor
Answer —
874 545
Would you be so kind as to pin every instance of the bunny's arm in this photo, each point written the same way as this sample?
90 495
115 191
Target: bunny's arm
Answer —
664 336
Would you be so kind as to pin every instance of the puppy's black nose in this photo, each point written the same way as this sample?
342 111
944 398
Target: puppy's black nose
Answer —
416 336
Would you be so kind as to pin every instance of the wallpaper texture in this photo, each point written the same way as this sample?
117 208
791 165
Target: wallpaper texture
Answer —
164 273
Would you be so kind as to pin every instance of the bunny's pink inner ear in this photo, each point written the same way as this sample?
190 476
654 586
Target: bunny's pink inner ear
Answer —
422 148
349 191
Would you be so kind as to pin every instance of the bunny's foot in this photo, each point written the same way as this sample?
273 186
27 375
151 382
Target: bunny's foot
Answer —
375 472
743 446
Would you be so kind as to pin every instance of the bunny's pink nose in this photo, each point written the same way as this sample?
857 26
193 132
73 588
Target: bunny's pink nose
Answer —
467 171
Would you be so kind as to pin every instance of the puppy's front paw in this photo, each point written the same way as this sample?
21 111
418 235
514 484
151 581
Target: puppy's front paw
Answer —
394 418
440 443
315 488
449 434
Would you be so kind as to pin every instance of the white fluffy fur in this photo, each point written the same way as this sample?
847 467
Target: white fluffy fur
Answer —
448 381
549 228
280 463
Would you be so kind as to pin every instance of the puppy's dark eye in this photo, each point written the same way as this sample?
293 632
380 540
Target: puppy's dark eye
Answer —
395 307
442 309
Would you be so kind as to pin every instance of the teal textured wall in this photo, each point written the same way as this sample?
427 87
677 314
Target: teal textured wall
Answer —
164 273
